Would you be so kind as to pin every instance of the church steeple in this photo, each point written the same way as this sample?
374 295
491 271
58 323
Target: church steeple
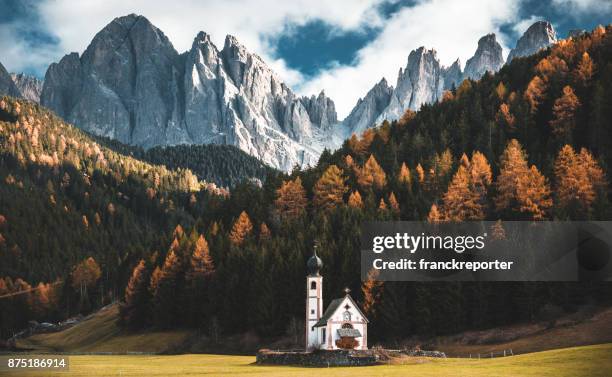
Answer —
314 263
314 300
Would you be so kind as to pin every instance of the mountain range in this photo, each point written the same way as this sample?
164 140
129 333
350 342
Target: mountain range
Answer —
131 85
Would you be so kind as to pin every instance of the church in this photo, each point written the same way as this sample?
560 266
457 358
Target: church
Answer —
342 326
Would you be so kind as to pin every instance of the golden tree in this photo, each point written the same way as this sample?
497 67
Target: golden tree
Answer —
403 176
420 173
355 200
501 90
505 118
460 202
578 177
201 263
434 215
241 230
85 275
564 111
291 201
393 203
535 93
520 188
372 175
382 205
585 69
330 188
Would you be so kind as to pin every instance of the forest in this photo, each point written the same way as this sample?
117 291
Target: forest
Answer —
82 225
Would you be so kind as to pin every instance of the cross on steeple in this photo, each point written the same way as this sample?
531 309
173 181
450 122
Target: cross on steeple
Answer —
347 290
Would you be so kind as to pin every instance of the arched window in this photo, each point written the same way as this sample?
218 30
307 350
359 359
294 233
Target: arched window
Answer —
347 326
313 285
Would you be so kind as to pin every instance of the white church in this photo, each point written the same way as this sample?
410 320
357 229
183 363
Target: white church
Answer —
341 326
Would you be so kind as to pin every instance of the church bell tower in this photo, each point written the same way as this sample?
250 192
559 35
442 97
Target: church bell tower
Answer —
314 300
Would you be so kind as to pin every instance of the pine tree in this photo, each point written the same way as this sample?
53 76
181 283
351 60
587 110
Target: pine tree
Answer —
578 178
505 118
393 203
460 202
201 265
372 175
166 304
382 205
241 230
330 188
404 177
584 71
434 215
564 112
264 232
534 93
354 200
290 203
134 310
198 278
420 173
519 188
372 290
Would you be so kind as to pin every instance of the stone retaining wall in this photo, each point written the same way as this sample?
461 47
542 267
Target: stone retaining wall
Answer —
334 358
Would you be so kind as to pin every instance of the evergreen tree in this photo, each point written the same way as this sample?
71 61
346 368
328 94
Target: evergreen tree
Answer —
134 310
564 112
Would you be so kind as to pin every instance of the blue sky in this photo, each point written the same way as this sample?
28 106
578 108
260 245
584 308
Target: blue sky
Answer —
344 46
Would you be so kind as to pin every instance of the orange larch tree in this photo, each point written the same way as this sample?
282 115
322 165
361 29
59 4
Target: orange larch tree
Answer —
520 188
241 230
290 203
330 188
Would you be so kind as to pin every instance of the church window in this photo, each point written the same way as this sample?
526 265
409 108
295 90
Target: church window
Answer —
347 316
313 285
347 326
311 311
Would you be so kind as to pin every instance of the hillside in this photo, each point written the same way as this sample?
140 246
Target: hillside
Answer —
528 143
65 198
100 332
223 165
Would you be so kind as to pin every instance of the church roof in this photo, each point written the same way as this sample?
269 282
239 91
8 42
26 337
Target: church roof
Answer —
331 309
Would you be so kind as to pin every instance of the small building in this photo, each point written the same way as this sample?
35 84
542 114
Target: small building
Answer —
342 326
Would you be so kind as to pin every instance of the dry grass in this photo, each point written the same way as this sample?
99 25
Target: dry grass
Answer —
100 333
591 361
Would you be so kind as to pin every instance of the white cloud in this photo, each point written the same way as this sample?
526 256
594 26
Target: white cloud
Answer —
251 21
451 27
520 27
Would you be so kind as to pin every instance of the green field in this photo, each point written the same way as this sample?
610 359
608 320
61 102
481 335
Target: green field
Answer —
588 361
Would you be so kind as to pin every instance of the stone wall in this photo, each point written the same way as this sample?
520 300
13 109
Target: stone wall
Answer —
317 358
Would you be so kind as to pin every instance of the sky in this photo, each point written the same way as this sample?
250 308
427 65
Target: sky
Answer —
343 46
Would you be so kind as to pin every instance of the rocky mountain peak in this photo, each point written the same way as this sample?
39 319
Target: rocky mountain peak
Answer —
7 86
368 108
539 35
29 87
130 84
488 57
452 75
